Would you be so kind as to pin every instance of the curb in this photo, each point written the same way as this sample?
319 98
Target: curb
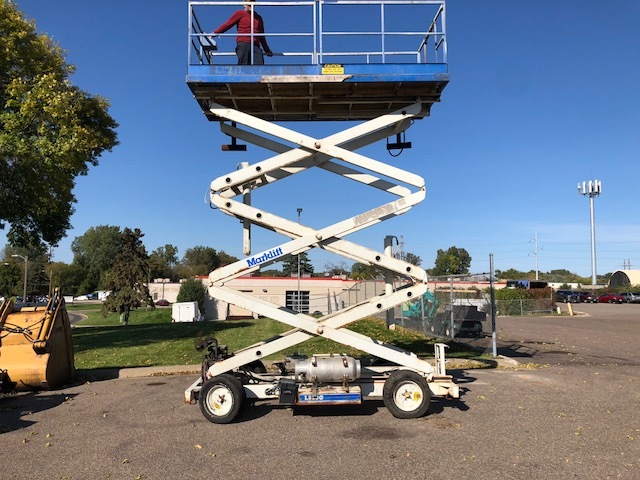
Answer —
135 372
506 362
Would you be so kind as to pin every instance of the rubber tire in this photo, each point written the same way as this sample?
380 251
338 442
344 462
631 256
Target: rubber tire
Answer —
226 388
414 384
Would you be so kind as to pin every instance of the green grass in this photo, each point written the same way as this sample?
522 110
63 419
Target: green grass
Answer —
83 306
151 339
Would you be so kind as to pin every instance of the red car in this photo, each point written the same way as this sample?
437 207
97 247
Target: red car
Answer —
610 298
162 303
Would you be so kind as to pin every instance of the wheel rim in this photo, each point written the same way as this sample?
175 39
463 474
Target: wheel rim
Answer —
408 396
219 400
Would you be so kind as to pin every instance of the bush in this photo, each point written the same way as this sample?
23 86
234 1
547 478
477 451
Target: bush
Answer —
515 301
193 290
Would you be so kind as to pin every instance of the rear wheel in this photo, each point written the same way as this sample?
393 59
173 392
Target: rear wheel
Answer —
406 394
221 398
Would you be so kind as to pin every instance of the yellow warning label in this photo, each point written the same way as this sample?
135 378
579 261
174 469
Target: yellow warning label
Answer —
333 69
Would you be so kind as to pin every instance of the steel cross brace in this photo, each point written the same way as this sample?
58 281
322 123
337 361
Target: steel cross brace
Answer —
317 152
292 161
329 326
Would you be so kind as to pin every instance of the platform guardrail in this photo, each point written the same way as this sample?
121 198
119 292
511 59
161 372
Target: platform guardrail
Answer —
321 32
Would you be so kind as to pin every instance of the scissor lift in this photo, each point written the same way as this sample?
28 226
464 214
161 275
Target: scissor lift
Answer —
387 89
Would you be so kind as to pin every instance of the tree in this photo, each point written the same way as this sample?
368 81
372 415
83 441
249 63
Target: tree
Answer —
68 278
161 262
360 271
336 269
127 279
454 261
94 252
513 274
198 261
37 261
168 253
50 132
192 290
11 276
225 258
268 273
290 265
413 259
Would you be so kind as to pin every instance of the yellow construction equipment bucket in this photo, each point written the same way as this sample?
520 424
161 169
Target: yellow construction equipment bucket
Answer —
36 347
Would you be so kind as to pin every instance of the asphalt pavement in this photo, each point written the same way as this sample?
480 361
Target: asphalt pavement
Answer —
568 410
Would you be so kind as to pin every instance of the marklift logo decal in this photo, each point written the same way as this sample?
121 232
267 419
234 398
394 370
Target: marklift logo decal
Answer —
253 261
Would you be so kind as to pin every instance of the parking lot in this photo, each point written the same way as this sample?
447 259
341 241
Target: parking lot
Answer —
569 411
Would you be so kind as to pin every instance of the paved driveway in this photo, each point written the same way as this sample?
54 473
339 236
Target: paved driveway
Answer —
599 334
575 417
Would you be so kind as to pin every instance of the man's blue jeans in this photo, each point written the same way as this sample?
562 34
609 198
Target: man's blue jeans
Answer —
243 50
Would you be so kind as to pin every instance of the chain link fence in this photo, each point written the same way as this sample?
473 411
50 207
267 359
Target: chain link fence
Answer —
459 306
446 312
525 306
455 309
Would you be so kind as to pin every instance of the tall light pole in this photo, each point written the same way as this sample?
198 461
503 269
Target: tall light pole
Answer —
298 295
26 266
591 189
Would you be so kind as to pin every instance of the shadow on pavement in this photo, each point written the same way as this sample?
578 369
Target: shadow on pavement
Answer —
16 406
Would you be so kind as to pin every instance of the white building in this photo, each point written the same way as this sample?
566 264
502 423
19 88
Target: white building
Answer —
317 294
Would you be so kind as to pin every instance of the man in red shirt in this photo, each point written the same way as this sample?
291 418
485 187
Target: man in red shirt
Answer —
242 20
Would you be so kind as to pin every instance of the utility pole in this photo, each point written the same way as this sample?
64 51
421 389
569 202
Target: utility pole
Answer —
536 252
388 281
592 189
493 307
298 294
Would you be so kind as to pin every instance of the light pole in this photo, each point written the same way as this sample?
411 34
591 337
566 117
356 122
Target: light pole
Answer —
591 189
164 281
298 295
26 263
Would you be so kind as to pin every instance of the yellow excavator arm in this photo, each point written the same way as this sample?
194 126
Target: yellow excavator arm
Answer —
36 347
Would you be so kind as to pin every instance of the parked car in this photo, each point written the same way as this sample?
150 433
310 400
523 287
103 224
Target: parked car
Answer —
592 298
631 297
162 303
610 298
567 296
584 296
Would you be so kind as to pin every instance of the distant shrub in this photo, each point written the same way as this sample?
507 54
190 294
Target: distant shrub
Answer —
193 290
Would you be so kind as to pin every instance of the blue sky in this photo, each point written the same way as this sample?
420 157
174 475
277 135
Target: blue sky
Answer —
543 95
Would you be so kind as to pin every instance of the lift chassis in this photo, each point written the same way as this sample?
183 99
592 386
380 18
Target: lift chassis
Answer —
230 380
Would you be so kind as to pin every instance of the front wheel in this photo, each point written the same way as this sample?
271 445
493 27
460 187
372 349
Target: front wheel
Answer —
406 394
221 398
